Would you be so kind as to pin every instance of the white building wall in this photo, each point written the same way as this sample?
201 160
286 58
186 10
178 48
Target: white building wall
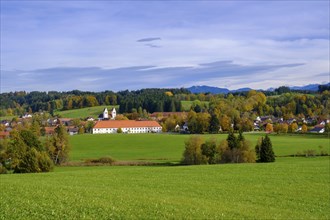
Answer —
127 130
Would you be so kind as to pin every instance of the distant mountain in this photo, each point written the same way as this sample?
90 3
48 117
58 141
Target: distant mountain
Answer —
241 90
216 90
208 89
310 87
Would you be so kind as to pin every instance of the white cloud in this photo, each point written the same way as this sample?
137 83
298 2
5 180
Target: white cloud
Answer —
44 35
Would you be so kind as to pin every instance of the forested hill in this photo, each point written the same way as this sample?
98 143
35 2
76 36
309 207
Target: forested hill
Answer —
17 103
282 101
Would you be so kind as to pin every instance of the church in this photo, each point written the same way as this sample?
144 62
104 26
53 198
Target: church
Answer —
105 115
108 124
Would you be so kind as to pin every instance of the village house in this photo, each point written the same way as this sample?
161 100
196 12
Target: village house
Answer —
73 131
127 126
318 129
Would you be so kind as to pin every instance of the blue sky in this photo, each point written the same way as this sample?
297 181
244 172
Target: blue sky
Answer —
118 45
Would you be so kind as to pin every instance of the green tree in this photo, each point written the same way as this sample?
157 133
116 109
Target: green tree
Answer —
209 150
192 154
28 163
58 146
25 153
214 124
265 151
232 141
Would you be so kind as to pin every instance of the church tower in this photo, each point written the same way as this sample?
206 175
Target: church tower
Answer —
113 113
105 113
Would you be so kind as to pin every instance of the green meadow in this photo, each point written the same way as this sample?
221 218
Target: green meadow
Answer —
84 112
186 105
290 188
169 147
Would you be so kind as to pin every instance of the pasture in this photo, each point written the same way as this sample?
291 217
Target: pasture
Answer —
84 112
169 147
290 188
186 105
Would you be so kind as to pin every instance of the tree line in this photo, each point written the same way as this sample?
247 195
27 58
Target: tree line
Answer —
235 149
241 106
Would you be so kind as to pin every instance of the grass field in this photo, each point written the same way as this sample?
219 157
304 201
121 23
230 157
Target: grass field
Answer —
290 188
187 104
84 112
9 118
169 148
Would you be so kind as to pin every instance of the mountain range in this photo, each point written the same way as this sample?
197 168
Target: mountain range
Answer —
217 90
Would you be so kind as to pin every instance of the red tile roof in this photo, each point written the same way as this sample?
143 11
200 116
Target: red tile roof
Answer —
125 124
49 130
4 134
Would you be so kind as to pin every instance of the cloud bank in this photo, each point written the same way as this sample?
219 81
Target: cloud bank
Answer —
49 45
223 73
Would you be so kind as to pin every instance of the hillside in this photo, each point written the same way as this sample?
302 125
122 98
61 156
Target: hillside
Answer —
83 112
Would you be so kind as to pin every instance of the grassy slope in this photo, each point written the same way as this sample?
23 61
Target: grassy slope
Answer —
187 104
84 112
169 148
291 188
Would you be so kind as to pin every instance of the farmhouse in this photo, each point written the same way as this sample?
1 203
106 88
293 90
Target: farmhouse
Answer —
127 126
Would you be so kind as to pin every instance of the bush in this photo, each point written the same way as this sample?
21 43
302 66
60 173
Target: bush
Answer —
310 153
29 162
45 163
102 160
106 160
3 170
192 154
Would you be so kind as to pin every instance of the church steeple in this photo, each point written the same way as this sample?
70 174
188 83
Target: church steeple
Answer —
105 113
113 113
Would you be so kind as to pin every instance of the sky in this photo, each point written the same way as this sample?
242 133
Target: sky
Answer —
119 45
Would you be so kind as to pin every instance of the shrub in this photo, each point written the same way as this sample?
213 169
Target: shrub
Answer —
28 163
192 154
102 160
3 169
310 153
45 163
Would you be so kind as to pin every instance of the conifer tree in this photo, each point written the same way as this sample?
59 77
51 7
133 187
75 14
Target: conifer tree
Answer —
266 151
214 124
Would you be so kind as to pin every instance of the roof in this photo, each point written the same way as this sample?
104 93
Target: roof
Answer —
125 124
4 134
317 128
49 130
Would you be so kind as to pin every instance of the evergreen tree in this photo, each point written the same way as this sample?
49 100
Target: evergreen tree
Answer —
232 141
214 124
266 151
